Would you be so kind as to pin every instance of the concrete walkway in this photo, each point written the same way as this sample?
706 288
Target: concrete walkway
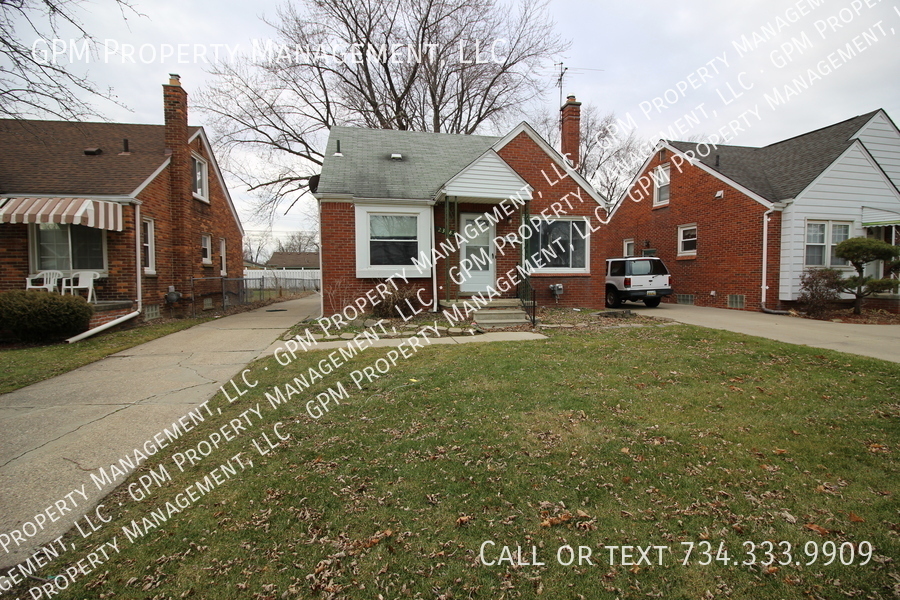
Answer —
58 430
877 341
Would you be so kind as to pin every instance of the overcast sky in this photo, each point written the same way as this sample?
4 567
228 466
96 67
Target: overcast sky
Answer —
746 73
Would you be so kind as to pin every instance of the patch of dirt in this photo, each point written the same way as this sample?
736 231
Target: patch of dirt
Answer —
868 317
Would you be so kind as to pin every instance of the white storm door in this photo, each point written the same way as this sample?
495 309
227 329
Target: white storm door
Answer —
477 253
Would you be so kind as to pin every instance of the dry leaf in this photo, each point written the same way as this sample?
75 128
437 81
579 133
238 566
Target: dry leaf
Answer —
816 528
463 520
779 451
855 518
625 451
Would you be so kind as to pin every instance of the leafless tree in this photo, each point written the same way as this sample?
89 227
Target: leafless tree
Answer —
257 246
453 66
610 158
299 241
35 81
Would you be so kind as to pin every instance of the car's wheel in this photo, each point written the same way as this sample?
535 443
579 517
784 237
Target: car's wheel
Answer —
651 302
613 299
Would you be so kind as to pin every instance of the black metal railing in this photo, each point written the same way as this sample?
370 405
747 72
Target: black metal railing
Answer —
525 293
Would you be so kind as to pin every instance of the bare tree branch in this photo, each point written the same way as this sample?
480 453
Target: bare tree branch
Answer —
32 81
452 66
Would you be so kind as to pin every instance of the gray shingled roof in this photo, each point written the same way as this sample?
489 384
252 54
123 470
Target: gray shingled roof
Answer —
47 157
366 170
784 169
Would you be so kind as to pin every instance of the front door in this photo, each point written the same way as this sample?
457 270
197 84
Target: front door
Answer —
477 251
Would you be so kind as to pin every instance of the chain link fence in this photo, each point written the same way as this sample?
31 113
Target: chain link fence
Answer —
211 293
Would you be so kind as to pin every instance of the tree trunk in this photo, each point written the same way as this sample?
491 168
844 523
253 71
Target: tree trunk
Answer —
857 303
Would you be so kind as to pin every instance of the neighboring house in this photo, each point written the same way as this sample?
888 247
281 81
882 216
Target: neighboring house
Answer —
391 198
145 206
293 260
739 225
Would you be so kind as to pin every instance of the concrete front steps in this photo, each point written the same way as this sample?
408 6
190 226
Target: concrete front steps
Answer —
500 312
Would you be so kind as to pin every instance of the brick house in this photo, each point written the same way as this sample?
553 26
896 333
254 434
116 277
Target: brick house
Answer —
738 225
452 216
145 206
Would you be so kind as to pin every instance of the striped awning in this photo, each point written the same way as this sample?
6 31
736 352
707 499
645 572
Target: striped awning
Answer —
63 211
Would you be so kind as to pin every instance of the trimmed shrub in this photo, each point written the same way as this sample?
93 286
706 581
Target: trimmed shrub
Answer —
387 308
819 289
36 316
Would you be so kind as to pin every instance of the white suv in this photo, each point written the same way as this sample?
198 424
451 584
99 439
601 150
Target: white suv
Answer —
636 278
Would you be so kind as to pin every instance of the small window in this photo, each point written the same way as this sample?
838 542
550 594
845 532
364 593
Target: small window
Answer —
148 247
661 185
684 298
151 311
736 300
687 240
199 178
223 267
393 239
206 249
628 248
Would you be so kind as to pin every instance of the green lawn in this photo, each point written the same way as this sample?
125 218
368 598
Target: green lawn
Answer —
23 366
655 436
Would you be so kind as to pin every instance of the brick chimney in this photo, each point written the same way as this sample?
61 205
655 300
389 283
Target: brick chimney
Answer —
570 125
180 195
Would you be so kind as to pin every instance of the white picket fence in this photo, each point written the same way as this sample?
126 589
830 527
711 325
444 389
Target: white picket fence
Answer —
285 279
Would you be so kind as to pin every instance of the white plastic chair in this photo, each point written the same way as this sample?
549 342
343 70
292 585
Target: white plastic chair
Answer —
81 280
49 281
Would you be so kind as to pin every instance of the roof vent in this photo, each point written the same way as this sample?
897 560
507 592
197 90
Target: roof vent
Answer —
717 160
93 151
338 153
125 151
396 156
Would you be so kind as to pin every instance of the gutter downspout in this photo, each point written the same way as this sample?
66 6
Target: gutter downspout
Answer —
434 286
138 270
765 264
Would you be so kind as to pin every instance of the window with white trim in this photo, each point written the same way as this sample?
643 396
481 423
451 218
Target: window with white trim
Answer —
148 247
223 265
67 247
559 246
199 178
206 249
661 180
821 239
390 237
687 240
628 247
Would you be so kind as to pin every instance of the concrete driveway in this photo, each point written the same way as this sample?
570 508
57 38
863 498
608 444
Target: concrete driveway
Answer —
877 341
58 430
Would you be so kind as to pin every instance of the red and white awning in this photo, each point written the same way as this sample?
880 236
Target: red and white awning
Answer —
63 211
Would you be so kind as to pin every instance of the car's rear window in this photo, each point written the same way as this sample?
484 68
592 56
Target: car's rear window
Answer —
647 267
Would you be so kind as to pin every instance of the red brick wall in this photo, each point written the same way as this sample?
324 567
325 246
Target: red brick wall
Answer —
102 317
729 236
13 256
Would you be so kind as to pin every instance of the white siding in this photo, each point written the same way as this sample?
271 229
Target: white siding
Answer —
881 139
839 194
487 177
